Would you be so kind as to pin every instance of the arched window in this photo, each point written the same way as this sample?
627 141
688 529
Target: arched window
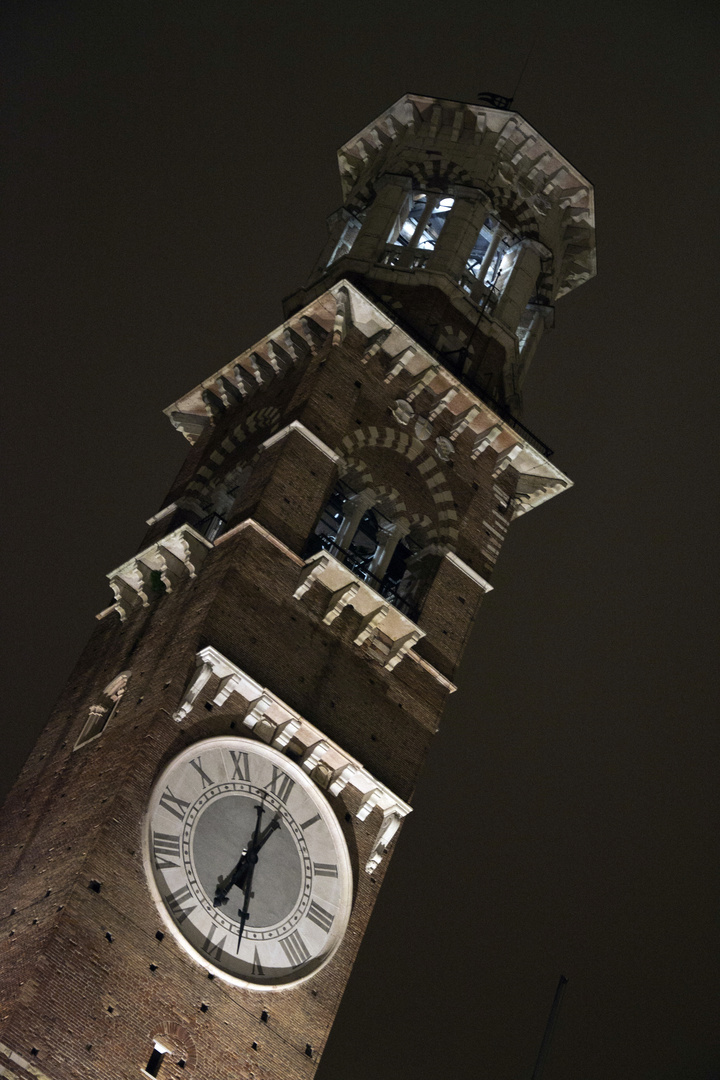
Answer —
421 222
380 551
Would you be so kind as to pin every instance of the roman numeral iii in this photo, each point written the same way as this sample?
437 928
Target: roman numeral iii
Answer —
325 869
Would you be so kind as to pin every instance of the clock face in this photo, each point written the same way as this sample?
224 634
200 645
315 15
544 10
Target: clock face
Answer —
247 863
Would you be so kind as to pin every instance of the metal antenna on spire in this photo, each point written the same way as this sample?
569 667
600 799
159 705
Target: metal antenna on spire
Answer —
549 1028
498 101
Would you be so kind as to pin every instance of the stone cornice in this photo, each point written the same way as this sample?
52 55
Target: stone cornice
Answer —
271 720
157 569
476 426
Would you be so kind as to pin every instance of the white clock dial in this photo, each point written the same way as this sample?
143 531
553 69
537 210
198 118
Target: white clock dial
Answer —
247 863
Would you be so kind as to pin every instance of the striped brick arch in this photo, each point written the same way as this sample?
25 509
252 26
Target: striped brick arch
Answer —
444 529
268 417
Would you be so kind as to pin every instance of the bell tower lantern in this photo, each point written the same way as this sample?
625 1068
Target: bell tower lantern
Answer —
467 226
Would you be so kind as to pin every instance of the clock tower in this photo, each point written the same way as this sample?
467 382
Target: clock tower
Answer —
193 850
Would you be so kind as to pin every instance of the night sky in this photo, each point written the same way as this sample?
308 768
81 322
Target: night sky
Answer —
170 170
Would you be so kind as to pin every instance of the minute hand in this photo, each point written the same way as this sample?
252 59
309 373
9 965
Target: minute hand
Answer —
250 860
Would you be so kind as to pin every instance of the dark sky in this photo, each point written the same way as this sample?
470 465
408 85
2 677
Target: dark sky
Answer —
170 170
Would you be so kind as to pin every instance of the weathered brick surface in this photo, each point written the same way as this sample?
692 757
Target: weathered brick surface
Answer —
92 1006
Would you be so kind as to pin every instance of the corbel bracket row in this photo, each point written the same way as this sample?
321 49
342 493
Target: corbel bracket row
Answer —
159 568
346 589
275 723
289 345
469 416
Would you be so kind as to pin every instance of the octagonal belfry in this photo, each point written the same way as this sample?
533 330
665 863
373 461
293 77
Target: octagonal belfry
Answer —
467 226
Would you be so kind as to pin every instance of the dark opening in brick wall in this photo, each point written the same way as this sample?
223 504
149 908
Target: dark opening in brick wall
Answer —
156 1059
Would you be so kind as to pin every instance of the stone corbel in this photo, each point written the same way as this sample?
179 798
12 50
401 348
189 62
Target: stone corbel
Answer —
347 590
284 732
340 600
443 402
375 344
278 358
261 368
314 757
402 646
128 584
202 673
484 439
370 622
505 458
297 347
421 382
342 777
309 575
343 315
390 825
257 713
188 547
399 362
464 420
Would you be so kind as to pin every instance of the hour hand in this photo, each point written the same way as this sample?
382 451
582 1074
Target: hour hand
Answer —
236 877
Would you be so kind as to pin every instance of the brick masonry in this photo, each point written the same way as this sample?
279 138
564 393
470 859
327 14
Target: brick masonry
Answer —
86 982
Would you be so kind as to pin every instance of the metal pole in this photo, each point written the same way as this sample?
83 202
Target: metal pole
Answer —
549 1028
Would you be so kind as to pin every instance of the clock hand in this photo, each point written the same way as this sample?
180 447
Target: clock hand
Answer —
239 872
251 859
267 833
251 862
